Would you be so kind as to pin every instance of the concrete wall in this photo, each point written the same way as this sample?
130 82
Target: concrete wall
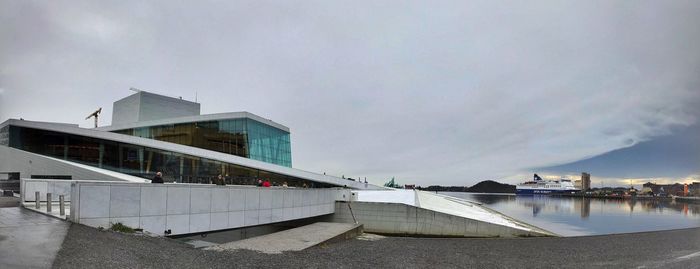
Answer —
126 110
154 107
401 219
28 187
192 208
145 106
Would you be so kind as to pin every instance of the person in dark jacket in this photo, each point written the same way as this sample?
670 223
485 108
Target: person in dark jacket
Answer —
220 181
158 178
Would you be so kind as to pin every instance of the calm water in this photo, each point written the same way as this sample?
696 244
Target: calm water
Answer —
570 216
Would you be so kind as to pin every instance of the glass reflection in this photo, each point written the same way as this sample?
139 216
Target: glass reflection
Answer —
241 137
143 161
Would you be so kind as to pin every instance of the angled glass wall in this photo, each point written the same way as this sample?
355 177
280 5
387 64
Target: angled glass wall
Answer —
241 137
141 161
268 144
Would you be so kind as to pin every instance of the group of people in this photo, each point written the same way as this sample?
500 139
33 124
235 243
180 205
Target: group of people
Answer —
262 183
158 179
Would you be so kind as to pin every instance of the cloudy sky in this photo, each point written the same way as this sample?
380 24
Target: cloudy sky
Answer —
446 92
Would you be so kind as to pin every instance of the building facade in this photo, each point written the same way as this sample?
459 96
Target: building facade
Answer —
585 181
146 106
240 146
133 159
243 137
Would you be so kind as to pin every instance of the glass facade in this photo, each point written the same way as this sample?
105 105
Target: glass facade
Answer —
140 161
241 137
5 136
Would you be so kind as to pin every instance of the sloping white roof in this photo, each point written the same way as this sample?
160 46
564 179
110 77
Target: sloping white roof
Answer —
198 152
440 203
115 175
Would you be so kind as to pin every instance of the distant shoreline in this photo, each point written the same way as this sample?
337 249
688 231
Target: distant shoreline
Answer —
689 199
489 193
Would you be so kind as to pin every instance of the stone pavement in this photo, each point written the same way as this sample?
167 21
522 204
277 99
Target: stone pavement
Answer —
295 239
55 209
9 201
29 239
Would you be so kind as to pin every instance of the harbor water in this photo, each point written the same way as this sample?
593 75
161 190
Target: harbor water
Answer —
576 216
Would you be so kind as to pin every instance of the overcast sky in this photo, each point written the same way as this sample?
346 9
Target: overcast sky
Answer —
431 92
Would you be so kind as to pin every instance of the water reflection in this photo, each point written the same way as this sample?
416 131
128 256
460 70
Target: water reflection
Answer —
583 205
582 216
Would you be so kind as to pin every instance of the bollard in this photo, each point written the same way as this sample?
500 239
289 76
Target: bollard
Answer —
48 202
61 204
37 198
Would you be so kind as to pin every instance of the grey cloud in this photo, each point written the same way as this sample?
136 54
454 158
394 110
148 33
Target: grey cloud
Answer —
433 93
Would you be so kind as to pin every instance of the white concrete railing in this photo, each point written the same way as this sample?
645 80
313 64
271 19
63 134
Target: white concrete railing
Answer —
192 208
56 187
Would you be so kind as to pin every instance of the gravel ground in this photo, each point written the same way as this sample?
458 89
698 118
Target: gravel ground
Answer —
85 247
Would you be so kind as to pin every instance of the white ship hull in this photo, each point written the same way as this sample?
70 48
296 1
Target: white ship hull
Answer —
540 186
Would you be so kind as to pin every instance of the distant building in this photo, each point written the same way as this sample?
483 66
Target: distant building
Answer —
694 189
666 189
585 181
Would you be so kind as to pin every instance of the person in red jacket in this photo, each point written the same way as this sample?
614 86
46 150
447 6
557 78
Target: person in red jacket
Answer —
266 184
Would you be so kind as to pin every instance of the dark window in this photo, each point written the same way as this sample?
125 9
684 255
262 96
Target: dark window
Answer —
84 150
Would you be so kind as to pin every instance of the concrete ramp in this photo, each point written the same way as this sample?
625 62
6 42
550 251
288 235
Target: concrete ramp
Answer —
295 239
411 213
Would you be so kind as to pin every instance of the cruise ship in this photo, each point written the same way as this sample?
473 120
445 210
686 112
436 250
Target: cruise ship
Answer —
539 186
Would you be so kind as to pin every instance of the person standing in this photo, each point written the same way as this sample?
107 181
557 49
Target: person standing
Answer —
158 178
266 184
220 181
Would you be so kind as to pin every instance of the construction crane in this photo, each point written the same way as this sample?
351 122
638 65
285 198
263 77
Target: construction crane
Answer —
95 114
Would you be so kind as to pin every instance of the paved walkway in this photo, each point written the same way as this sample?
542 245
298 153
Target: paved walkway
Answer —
29 239
296 239
9 201
55 209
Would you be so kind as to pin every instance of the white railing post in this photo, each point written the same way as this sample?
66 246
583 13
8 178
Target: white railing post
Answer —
37 199
62 205
48 202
